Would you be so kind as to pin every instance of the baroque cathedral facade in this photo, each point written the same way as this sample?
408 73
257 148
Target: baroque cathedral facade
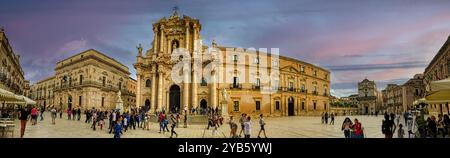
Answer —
179 72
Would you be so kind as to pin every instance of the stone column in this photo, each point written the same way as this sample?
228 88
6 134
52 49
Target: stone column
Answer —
138 90
160 85
155 40
153 90
161 41
186 71
194 102
213 89
187 37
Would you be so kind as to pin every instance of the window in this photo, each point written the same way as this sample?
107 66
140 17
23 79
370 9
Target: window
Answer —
81 79
314 105
315 73
70 81
291 86
103 101
235 58
256 60
148 83
303 105
275 63
302 69
325 106
276 84
277 105
236 105
303 87
235 82
326 76
325 90
79 100
120 85
204 82
258 82
258 105
104 81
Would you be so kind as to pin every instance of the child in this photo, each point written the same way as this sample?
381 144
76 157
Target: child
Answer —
118 129
400 131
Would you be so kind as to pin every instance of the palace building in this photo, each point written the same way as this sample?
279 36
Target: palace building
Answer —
88 79
12 77
179 72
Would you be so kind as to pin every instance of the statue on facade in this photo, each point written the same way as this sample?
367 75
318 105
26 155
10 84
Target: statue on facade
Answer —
224 103
139 49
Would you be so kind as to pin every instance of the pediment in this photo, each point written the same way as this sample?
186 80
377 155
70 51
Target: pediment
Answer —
290 69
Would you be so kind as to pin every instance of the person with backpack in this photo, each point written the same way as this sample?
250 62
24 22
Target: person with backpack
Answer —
388 126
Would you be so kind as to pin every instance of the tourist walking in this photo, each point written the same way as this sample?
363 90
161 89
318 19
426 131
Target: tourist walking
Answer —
326 117
332 119
233 128
53 112
94 120
42 113
400 131
323 117
262 123
60 113
388 126
34 114
247 127
446 124
79 114
161 122
172 127
440 126
358 130
346 127
432 127
69 113
242 120
118 128
24 114
185 121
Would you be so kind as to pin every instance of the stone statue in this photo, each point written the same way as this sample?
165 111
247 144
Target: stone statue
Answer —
224 94
119 102
139 49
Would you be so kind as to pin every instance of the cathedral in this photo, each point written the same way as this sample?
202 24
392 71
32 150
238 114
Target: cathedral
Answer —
178 72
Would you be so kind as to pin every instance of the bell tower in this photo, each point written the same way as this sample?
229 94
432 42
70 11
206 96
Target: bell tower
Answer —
176 32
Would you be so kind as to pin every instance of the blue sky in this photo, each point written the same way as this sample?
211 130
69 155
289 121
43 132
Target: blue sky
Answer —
386 41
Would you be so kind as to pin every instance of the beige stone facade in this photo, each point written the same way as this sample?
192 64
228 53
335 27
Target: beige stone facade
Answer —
438 69
255 81
369 98
11 74
88 79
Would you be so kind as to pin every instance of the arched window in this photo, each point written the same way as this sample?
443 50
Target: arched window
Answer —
148 83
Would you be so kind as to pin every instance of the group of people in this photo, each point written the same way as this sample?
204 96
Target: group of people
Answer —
352 129
326 116
439 127
246 126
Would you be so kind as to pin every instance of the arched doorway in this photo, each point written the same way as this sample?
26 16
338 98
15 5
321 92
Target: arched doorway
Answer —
69 102
174 96
147 105
366 109
203 106
291 106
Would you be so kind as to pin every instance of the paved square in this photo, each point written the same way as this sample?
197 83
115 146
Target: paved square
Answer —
276 127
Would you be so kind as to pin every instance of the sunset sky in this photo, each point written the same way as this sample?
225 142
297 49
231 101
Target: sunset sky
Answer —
386 41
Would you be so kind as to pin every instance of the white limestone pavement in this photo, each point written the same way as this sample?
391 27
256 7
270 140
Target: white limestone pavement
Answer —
279 127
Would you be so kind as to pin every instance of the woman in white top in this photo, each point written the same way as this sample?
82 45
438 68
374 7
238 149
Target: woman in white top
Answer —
247 127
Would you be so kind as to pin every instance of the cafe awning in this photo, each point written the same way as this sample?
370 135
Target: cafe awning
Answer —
440 92
9 97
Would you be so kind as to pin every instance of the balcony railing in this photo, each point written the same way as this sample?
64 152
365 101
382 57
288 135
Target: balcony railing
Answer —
315 93
256 87
235 86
